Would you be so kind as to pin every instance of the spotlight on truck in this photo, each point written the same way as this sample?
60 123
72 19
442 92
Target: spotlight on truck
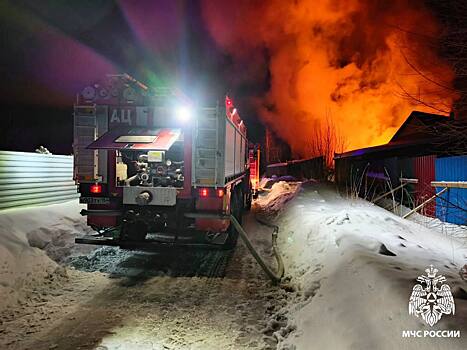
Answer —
183 113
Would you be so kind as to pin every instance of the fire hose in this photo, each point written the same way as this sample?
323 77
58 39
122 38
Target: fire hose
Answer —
274 276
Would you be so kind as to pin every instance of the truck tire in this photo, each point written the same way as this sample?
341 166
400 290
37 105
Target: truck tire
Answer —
236 208
247 193
247 200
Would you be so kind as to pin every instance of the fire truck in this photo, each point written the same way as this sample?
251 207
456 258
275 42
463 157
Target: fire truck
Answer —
155 168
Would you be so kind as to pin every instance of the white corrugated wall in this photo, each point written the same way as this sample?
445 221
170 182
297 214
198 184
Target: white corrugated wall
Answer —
33 178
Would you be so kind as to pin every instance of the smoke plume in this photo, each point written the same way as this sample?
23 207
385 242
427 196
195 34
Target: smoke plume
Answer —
364 64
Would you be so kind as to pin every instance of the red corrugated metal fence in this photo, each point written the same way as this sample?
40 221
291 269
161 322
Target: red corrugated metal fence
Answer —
424 171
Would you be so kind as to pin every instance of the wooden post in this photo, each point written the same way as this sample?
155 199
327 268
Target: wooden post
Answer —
403 181
451 184
425 202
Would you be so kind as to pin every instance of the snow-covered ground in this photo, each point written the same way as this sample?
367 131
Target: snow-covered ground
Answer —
435 224
353 266
56 295
350 269
31 241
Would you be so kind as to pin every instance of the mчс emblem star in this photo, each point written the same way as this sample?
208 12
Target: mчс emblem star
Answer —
431 302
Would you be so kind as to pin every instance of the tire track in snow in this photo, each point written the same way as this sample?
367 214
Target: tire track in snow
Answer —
165 300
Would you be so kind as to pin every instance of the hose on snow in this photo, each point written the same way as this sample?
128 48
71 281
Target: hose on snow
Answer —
274 276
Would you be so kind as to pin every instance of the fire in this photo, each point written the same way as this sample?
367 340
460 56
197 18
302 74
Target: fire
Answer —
364 65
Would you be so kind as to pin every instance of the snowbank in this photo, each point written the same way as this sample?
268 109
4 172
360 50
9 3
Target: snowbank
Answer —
274 199
435 224
354 265
29 239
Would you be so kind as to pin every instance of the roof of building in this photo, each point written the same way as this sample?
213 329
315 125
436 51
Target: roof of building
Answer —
389 149
417 136
419 125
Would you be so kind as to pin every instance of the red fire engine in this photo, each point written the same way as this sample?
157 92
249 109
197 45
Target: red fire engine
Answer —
155 168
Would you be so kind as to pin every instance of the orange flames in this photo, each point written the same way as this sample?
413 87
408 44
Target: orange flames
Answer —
364 64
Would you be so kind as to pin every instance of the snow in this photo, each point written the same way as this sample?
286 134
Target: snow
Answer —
350 269
446 228
353 266
30 240
117 299
277 197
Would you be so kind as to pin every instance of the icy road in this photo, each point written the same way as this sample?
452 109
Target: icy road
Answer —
350 269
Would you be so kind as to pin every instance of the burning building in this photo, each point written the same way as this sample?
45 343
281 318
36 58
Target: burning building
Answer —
275 149
363 64
420 150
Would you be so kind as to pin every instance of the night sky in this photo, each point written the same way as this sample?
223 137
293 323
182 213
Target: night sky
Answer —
52 49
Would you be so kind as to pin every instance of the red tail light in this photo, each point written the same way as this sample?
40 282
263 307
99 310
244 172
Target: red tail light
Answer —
96 188
211 192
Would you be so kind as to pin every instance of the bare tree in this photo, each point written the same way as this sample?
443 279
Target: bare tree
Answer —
326 140
451 43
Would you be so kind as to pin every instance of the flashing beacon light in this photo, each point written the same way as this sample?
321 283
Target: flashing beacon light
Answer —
96 188
228 102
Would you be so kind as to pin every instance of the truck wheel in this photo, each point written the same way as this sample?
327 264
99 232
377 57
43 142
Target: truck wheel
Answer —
247 200
236 211
241 205
247 194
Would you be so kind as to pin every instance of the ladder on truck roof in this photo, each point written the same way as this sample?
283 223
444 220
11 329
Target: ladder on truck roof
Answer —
89 123
207 158
84 132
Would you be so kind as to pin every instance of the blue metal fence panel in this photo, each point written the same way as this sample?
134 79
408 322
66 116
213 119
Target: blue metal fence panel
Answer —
452 205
